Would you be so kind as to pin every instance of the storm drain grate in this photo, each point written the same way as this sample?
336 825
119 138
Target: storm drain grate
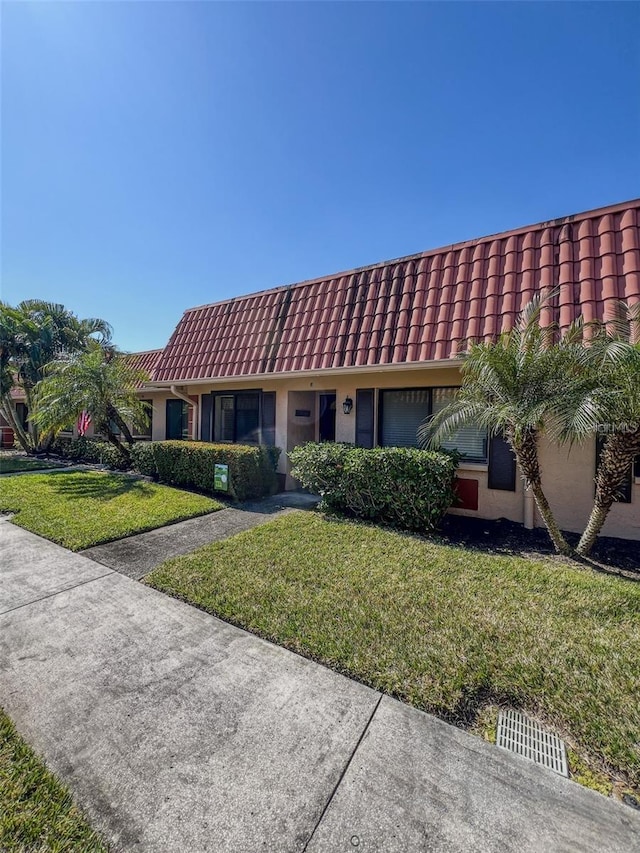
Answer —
525 737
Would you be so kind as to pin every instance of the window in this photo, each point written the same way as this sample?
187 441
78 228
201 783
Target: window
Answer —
177 419
240 417
470 441
144 430
402 412
236 418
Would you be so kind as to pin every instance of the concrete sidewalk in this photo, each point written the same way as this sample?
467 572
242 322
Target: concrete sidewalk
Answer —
178 732
135 556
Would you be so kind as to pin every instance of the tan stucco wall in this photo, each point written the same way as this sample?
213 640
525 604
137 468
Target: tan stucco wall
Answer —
568 476
569 486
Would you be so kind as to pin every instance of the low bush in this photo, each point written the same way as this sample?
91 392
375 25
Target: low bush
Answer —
92 450
191 464
143 459
400 486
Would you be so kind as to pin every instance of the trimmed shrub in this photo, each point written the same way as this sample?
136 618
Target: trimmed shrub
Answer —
92 450
400 486
143 459
252 469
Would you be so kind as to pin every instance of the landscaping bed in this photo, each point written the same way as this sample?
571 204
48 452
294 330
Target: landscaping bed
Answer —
36 810
83 508
501 536
448 629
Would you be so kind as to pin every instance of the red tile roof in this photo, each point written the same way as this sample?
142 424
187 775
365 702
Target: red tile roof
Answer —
415 309
146 361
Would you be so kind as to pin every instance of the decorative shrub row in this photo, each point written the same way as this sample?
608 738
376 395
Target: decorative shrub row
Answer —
404 487
252 469
92 450
143 460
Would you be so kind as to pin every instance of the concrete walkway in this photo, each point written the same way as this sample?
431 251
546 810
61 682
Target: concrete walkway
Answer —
178 732
137 555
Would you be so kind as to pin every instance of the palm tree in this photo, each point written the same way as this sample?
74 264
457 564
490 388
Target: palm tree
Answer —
99 381
606 401
510 387
14 330
32 335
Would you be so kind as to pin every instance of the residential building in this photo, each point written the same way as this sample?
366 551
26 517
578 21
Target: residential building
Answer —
364 356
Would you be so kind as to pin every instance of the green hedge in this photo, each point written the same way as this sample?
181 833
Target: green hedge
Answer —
252 469
92 450
143 459
406 488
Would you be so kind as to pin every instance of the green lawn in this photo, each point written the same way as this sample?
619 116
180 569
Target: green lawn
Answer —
36 811
444 628
11 464
83 508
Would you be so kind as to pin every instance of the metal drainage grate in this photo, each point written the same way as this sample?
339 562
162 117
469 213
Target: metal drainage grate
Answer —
525 737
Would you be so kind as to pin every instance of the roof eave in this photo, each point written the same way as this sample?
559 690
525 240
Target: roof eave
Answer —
293 374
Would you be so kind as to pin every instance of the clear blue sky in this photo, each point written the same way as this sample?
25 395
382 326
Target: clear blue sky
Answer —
158 156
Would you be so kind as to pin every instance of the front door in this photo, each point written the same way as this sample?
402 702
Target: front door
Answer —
327 419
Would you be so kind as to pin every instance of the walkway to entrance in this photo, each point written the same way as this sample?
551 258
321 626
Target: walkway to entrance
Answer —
137 555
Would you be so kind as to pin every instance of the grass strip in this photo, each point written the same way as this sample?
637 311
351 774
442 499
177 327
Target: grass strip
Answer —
83 508
37 812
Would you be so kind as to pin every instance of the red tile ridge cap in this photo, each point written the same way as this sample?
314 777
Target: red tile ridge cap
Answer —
449 247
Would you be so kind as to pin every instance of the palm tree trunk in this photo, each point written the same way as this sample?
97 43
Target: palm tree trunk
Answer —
9 414
526 452
45 442
559 542
115 416
617 456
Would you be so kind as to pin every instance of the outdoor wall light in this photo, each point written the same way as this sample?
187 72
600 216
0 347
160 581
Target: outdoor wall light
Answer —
347 406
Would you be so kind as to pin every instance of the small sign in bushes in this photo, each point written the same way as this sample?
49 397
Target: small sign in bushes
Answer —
221 478
250 469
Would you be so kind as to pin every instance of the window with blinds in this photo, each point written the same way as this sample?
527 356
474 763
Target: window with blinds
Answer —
470 441
402 412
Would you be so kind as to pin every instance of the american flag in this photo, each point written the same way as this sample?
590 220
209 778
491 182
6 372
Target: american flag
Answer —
83 423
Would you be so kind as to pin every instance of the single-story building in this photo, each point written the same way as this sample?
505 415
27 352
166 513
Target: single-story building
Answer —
364 356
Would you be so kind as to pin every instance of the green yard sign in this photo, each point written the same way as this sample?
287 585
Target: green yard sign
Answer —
221 478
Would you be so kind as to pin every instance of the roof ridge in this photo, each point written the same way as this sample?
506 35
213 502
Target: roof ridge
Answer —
448 247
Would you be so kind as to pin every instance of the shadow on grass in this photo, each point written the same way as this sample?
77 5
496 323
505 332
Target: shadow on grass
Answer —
96 486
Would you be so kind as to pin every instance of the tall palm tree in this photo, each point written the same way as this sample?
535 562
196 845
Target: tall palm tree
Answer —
99 381
32 335
606 401
510 388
